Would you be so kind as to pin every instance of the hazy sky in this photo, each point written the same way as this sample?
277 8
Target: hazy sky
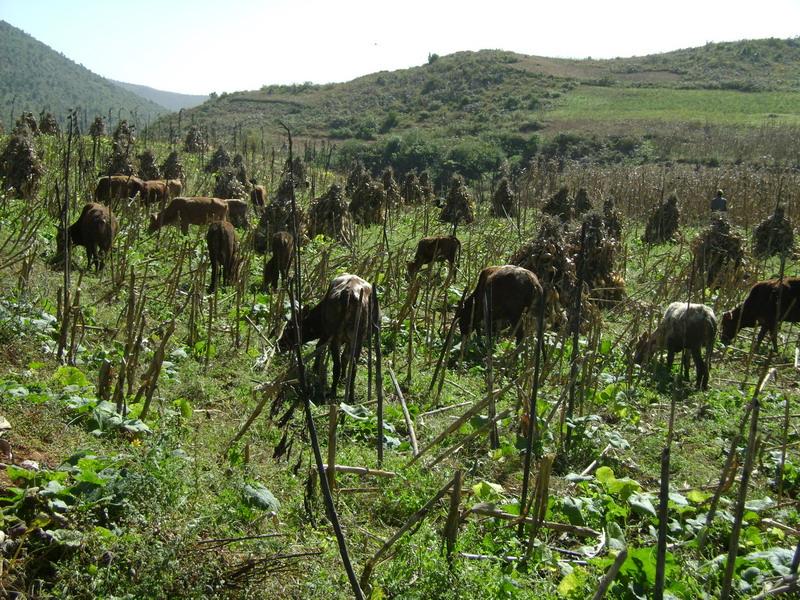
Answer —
200 46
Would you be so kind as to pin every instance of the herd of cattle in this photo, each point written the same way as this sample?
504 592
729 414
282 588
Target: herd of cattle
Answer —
503 294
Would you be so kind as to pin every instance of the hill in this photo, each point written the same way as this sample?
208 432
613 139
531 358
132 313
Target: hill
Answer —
170 100
35 77
516 103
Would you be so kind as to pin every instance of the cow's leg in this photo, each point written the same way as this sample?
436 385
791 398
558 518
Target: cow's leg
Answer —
702 369
670 360
685 365
352 379
319 364
214 275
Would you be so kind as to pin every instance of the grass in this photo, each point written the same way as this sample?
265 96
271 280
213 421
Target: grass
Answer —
715 107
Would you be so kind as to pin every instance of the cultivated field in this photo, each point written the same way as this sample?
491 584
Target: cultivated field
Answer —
167 439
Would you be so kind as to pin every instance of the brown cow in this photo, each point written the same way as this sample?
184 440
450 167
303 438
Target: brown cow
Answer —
237 213
278 265
154 191
511 290
340 319
223 250
430 249
761 307
117 187
94 230
258 195
189 211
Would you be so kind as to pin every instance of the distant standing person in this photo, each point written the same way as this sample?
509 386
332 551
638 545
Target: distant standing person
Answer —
719 203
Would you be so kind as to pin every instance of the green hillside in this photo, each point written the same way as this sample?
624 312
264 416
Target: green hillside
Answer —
512 105
35 77
169 100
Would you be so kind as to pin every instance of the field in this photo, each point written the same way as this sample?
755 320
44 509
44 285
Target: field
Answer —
681 106
173 456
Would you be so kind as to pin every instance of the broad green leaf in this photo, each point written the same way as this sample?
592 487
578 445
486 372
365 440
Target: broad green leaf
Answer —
259 496
760 504
67 537
641 503
698 496
70 376
604 475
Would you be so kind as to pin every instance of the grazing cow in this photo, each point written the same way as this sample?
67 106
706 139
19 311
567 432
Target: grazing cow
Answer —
684 326
117 187
767 304
278 264
430 249
223 250
511 290
189 211
154 191
237 213
258 195
340 319
94 230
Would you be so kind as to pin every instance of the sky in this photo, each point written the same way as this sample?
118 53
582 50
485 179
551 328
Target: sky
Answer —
200 46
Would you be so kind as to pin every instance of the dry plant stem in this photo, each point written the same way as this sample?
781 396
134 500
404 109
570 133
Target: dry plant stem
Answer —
532 437
576 329
268 392
608 578
453 516
375 326
480 430
416 517
333 419
733 548
489 510
476 408
406 415
151 377
661 552
361 471
304 391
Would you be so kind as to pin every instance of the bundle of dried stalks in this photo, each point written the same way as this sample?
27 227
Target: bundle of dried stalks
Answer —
148 169
195 140
218 161
774 236
504 201
718 251
390 187
459 207
558 205
328 215
368 203
172 167
663 222
48 124
21 166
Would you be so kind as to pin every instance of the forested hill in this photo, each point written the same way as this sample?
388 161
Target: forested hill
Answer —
492 90
35 77
170 100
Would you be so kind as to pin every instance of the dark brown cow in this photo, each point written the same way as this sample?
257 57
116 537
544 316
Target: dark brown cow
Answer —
340 319
189 211
223 250
278 264
430 249
511 290
761 307
117 187
94 230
